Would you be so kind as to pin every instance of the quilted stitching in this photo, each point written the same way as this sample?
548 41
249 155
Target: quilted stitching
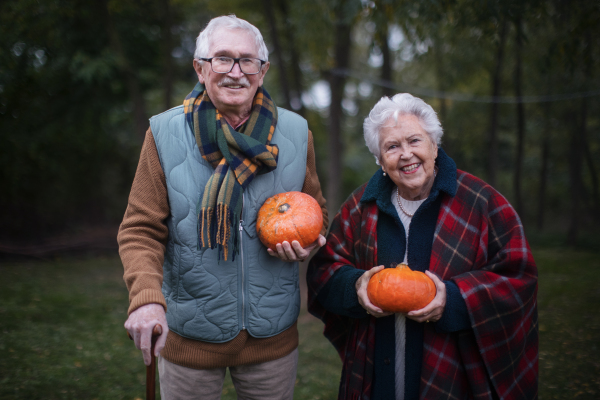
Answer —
203 295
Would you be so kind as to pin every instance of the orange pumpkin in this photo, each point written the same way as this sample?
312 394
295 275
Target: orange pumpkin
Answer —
289 216
400 289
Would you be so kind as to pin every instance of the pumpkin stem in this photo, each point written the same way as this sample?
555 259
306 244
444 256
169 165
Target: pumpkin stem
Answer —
402 266
283 208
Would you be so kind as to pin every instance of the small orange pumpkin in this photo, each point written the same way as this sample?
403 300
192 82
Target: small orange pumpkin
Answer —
289 216
400 289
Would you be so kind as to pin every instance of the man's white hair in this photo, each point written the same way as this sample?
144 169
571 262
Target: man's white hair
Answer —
228 22
400 104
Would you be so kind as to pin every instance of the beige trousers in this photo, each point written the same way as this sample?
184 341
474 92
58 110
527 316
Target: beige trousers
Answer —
272 380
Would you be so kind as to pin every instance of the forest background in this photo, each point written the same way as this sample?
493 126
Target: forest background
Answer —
515 84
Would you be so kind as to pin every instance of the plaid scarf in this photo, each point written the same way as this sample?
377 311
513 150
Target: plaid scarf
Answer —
237 157
478 243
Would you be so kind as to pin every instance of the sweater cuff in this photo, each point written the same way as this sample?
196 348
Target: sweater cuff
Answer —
350 297
456 315
339 293
147 296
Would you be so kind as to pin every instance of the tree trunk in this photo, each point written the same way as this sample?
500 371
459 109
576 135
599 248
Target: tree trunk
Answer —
588 154
441 81
579 150
575 168
520 120
386 68
140 118
496 84
544 170
594 176
337 82
296 95
167 49
283 81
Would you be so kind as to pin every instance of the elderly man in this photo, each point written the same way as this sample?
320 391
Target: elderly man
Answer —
188 240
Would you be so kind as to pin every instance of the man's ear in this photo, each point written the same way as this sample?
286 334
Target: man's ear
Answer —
263 72
198 67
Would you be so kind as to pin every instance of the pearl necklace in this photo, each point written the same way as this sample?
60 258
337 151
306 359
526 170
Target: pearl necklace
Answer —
400 204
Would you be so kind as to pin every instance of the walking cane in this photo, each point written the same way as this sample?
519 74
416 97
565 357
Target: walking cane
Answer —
151 369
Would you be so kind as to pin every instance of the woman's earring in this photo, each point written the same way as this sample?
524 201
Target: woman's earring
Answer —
384 174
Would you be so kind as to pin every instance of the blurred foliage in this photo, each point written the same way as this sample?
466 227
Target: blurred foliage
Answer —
78 80
66 133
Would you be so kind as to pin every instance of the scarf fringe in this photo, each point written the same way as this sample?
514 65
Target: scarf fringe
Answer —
224 227
223 234
205 220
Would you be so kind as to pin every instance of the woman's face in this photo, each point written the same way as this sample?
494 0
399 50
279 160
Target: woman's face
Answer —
407 155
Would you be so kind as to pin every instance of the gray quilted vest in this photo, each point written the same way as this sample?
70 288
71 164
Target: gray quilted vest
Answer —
213 300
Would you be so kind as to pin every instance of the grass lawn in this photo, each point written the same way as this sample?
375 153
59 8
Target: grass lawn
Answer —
62 336
568 304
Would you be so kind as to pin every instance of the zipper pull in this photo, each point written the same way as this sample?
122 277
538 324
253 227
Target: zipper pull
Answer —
241 229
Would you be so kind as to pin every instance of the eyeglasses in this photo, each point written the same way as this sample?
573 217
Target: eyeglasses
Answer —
223 65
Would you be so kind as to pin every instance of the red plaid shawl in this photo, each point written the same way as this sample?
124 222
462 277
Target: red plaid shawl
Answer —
478 243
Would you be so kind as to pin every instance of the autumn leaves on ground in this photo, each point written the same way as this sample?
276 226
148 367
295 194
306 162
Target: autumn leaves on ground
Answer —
62 336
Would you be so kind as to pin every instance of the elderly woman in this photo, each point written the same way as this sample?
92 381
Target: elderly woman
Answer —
478 337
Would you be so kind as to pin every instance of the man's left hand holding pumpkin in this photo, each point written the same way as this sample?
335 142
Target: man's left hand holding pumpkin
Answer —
294 251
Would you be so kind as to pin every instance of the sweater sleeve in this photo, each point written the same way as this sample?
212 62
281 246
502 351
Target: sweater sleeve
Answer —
312 185
456 315
339 293
143 233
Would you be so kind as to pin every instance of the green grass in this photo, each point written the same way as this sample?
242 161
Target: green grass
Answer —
568 304
62 336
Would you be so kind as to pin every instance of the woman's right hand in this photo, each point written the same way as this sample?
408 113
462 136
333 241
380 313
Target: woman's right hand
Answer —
363 298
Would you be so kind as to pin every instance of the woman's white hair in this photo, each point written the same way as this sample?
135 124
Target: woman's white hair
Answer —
229 22
400 104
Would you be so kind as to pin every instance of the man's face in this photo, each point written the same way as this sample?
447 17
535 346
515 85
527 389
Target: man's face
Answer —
231 93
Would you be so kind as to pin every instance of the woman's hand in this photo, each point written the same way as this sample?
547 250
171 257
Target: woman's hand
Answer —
363 298
294 251
433 311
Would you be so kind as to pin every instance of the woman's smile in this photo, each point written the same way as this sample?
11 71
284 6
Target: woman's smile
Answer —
410 169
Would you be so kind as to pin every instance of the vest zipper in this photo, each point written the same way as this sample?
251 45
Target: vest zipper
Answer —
242 260
241 233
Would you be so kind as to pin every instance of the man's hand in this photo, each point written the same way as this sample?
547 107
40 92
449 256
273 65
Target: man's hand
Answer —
295 252
140 324
363 297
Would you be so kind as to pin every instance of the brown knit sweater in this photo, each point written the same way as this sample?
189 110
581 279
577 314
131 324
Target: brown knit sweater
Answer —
142 239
